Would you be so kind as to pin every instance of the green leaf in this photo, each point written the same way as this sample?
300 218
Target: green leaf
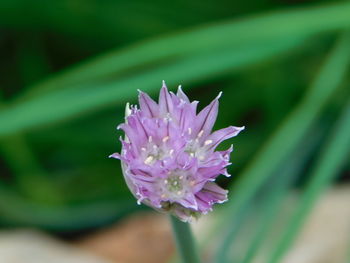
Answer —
264 208
23 212
256 29
64 103
334 154
288 135
184 57
278 190
29 172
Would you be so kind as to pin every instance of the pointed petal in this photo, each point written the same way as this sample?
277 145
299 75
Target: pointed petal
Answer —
177 107
135 123
185 161
212 193
182 213
182 95
153 200
127 109
165 102
194 105
115 156
206 118
226 154
189 201
148 106
131 134
211 172
218 194
135 133
203 206
199 184
221 135
187 116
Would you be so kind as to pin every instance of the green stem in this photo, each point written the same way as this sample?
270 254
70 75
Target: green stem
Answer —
184 241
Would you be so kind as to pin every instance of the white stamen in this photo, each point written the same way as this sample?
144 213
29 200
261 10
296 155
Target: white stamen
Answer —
189 131
171 151
150 138
165 181
175 183
149 159
192 154
181 177
207 142
179 193
200 133
155 146
143 149
201 158
163 196
193 183
165 139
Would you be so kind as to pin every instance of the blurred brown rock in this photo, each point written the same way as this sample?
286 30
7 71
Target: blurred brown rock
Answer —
144 237
29 246
326 235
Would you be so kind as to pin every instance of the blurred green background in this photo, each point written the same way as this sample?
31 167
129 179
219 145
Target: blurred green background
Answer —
68 67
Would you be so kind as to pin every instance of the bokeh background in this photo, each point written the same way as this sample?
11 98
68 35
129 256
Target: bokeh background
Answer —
68 67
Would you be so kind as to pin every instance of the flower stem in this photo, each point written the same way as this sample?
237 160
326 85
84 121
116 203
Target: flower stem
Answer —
184 241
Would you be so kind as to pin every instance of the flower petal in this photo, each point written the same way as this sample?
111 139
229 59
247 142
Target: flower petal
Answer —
223 134
148 106
206 118
182 95
212 193
165 102
189 201
186 119
115 156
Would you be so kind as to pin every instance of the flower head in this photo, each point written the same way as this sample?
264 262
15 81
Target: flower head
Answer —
168 155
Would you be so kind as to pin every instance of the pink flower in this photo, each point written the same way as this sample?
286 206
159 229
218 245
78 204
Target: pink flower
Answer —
168 155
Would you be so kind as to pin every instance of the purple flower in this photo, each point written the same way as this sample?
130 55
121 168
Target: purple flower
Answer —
168 155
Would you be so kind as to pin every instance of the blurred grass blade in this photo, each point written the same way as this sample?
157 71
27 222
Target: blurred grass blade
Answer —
347 259
9 149
64 103
29 176
334 153
16 210
234 34
223 253
193 51
265 209
278 191
289 134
